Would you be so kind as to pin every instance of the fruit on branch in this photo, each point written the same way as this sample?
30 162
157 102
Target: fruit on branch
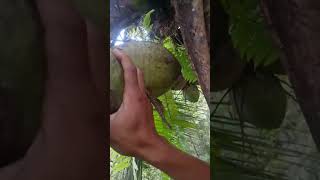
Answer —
160 69
191 93
179 84
260 100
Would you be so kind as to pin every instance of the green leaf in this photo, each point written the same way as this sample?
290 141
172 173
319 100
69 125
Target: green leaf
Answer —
123 162
249 33
147 20
180 53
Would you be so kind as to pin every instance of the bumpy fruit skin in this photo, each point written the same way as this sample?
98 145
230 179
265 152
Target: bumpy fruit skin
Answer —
260 101
21 78
160 69
94 10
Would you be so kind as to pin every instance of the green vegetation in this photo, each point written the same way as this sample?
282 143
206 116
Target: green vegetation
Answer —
189 118
258 131
160 68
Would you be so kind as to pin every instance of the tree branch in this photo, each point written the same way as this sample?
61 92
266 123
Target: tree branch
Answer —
190 17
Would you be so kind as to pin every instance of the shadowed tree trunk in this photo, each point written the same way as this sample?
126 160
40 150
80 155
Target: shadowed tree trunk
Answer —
296 29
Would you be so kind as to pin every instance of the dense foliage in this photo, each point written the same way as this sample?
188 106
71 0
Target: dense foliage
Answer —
263 147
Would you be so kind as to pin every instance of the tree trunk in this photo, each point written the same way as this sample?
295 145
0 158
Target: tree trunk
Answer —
296 28
190 16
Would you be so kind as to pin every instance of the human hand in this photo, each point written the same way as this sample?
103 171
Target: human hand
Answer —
132 129
133 133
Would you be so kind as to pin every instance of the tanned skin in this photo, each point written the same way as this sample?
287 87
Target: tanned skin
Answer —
73 140
133 133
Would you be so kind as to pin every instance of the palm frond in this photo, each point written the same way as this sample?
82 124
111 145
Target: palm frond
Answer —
249 32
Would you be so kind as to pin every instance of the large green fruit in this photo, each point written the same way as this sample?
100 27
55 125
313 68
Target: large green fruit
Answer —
94 10
261 101
21 78
160 69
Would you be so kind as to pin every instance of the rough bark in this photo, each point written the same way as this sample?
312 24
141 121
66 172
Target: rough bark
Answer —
206 9
190 17
296 28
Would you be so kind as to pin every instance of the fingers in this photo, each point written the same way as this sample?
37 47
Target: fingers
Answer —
141 80
131 87
143 90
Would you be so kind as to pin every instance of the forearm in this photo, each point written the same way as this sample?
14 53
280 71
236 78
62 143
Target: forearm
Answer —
174 162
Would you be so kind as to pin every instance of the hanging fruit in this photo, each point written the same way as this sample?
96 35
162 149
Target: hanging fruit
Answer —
159 67
260 100
191 93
